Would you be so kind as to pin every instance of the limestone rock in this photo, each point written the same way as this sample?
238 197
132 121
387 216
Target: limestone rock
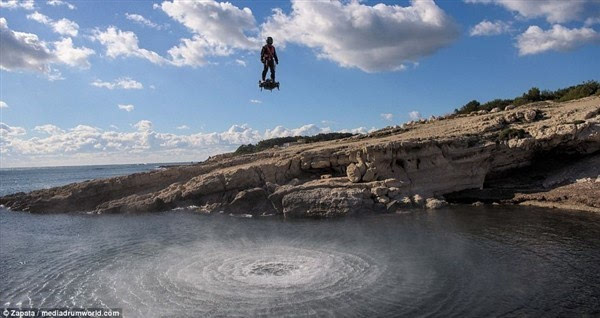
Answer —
530 115
379 191
323 202
433 203
370 175
252 201
418 200
495 110
353 173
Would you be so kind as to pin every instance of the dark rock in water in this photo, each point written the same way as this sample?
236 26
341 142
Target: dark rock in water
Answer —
253 201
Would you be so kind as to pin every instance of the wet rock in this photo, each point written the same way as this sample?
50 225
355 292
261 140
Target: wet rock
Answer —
433 203
325 202
418 200
393 206
252 201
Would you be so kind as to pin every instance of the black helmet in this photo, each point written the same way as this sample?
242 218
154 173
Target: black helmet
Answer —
269 40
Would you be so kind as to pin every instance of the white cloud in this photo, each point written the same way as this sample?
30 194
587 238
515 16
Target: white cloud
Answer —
554 11
183 127
138 18
62 26
17 4
125 43
72 56
387 116
3 104
21 50
241 62
306 130
592 21
559 38
256 101
49 129
371 38
122 83
485 28
219 29
25 51
127 108
85 144
414 115
56 3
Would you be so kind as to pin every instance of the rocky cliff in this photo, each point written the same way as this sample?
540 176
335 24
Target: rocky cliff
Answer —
421 164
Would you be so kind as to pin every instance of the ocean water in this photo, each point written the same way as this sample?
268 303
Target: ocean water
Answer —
460 261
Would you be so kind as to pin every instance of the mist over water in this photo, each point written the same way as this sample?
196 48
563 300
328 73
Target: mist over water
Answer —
460 261
453 262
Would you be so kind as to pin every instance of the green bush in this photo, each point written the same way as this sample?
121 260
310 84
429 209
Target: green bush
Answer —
510 133
280 141
534 94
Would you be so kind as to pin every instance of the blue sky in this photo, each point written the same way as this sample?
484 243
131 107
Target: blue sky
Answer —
96 82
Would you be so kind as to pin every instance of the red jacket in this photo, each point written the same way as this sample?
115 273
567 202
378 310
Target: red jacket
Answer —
268 53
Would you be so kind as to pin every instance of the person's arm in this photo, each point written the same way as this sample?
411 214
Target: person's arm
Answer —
275 56
262 54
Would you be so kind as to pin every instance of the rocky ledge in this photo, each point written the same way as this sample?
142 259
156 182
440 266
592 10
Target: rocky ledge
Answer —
543 153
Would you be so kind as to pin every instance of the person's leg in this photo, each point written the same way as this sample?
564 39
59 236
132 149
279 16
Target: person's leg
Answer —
264 73
272 67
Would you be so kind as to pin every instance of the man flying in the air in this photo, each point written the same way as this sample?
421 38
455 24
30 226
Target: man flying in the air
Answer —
268 57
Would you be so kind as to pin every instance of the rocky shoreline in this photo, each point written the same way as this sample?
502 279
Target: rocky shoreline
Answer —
544 153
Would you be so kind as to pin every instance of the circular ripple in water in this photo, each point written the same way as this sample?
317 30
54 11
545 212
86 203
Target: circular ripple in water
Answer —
229 281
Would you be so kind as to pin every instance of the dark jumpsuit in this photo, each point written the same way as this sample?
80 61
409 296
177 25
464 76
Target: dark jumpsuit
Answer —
268 56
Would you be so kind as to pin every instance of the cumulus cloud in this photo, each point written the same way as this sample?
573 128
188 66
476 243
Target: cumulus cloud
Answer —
387 116
306 130
126 44
17 4
56 3
126 107
25 51
414 115
486 28
119 83
535 40
62 26
3 104
88 144
554 11
67 54
219 29
371 38
140 19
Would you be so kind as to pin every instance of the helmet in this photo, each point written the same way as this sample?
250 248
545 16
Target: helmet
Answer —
269 40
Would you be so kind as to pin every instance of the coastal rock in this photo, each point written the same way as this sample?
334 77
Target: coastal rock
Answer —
353 173
431 159
433 203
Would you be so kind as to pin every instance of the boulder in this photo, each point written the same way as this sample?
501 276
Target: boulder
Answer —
370 175
530 115
252 201
418 200
379 191
495 110
433 203
353 173
326 202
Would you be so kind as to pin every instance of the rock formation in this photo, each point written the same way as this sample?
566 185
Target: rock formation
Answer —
417 165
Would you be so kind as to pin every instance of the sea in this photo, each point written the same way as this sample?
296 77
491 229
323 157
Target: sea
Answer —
459 261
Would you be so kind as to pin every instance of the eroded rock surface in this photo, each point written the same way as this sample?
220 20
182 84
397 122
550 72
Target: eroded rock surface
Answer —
384 171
